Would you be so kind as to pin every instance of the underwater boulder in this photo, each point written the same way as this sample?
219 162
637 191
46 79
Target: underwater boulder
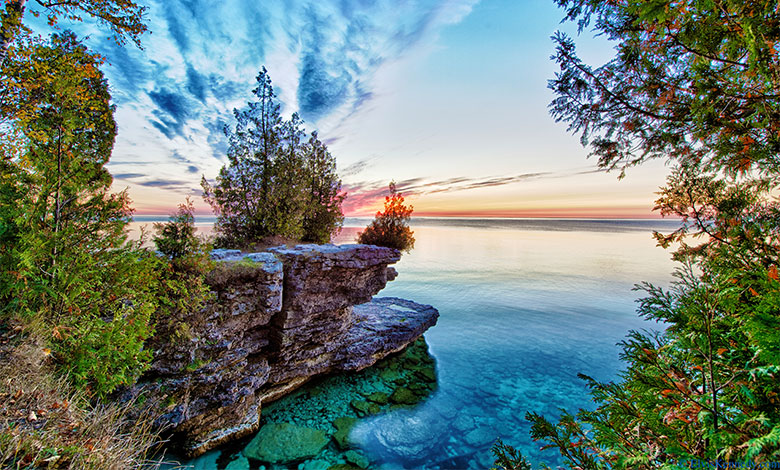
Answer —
409 435
285 442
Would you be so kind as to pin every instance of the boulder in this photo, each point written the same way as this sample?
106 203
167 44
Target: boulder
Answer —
410 435
241 463
343 427
285 442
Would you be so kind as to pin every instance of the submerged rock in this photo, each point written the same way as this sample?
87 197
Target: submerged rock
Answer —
316 465
409 435
343 427
357 458
285 442
481 437
404 396
241 463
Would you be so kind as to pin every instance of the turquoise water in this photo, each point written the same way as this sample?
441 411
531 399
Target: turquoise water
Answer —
525 305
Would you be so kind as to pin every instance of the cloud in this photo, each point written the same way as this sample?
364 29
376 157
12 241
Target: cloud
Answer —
355 168
366 194
163 183
125 176
197 84
170 103
175 95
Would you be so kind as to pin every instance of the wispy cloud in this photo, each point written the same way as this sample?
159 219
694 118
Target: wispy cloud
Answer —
355 168
202 57
369 194
175 96
162 183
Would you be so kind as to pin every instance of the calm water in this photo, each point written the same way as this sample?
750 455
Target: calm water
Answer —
525 305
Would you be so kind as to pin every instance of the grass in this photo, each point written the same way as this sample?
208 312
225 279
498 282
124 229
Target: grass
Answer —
46 423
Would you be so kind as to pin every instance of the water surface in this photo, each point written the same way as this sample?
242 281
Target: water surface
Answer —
526 305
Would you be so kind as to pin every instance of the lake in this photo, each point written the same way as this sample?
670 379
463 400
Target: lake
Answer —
525 304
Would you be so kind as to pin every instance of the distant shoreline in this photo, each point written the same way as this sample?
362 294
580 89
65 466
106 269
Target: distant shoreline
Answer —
212 218
536 224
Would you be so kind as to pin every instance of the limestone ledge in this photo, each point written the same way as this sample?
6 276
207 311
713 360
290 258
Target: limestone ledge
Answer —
277 318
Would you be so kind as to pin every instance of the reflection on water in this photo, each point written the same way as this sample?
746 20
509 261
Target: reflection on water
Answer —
525 306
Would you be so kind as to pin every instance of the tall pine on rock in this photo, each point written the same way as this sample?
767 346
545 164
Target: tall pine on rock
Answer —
276 181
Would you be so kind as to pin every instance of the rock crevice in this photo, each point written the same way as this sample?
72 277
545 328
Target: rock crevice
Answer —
276 319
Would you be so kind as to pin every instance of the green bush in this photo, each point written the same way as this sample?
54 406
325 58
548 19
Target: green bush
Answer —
176 239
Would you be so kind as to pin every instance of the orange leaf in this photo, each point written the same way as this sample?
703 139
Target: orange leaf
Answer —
722 350
753 291
772 273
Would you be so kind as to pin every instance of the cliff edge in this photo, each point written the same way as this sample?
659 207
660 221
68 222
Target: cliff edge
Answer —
276 319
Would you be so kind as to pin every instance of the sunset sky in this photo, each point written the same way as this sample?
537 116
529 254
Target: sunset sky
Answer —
446 97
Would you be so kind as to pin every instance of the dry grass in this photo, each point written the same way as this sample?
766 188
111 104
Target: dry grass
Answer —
46 423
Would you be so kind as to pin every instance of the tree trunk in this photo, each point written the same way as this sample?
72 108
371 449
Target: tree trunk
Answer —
11 24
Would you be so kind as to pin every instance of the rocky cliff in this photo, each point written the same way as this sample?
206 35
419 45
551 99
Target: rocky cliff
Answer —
276 319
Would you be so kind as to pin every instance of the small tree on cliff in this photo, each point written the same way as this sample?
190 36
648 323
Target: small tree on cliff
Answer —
391 227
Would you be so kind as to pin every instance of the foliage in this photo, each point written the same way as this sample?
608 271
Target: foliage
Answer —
705 389
508 458
276 182
176 239
180 288
49 423
391 227
695 81
323 217
125 18
69 261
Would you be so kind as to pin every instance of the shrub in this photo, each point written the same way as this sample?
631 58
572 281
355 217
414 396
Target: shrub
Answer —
390 227
176 239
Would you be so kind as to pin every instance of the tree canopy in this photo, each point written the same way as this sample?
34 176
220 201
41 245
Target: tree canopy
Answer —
64 251
125 18
277 181
692 81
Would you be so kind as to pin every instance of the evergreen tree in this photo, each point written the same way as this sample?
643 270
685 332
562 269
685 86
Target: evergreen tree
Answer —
65 254
276 182
322 217
390 227
693 82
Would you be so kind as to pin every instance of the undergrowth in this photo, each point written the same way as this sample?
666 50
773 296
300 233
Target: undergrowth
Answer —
46 422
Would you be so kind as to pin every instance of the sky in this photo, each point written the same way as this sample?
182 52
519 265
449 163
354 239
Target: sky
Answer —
446 97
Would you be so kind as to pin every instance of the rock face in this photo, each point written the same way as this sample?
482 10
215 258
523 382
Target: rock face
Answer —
277 318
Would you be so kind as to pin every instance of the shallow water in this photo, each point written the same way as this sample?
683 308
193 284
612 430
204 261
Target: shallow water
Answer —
525 306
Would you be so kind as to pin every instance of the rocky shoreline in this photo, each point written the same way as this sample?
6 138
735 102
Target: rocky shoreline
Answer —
276 319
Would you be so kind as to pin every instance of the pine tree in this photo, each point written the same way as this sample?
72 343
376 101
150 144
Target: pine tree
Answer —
276 182
322 217
695 83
